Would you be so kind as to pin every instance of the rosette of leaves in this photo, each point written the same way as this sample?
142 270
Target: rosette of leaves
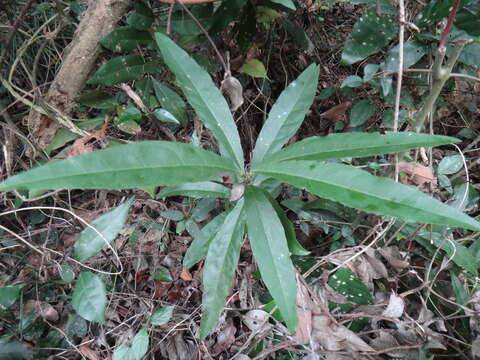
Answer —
309 164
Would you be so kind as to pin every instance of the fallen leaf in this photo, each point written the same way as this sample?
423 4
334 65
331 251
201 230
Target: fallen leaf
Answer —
393 256
336 113
185 275
43 309
419 173
395 308
234 90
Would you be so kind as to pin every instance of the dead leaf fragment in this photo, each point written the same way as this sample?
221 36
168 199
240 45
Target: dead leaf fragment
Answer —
336 113
395 308
234 90
256 320
43 309
419 173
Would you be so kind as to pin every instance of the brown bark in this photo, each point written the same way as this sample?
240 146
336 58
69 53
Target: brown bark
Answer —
99 19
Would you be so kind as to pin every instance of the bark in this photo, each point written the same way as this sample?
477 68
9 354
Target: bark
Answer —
99 19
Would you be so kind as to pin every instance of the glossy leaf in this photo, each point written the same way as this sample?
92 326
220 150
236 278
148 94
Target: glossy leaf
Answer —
204 189
293 244
352 81
146 163
162 316
220 266
126 38
134 351
269 244
361 190
199 246
89 297
121 69
356 145
450 165
109 225
205 98
171 101
165 116
287 114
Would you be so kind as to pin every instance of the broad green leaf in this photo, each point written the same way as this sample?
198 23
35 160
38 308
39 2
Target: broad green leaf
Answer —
145 163
345 283
470 54
450 165
298 35
142 18
287 3
11 349
369 35
174 215
98 99
134 351
89 297
369 71
123 68
356 145
199 246
126 38
9 294
254 68
128 114
269 246
129 126
352 81
184 24
162 274
171 101
361 190
220 266
66 273
413 51
165 116
205 98
361 111
204 189
227 12
109 225
461 294
455 251
162 316
293 244
287 114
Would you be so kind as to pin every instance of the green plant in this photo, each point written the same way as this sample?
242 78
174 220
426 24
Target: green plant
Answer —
310 164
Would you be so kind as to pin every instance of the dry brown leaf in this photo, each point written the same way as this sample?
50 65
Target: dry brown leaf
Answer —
87 352
43 309
256 320
237 191
234 90
386 341
476 347
336 113
419 173
185 275
225 337
395 308
304 315
393 257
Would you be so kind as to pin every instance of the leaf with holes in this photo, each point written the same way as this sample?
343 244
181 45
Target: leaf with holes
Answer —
345 283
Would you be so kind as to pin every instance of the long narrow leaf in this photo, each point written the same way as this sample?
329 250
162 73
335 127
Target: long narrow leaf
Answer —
200 244
109 225
293 244
205 98
361 190
356 145
202 189
141 164
269 245
287 114
220 266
